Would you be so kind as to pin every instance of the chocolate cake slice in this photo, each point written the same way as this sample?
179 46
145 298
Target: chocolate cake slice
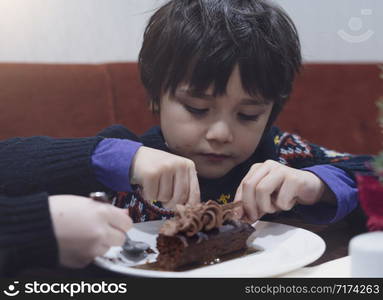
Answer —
200 234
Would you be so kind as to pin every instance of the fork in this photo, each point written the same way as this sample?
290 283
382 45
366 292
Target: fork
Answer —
132 249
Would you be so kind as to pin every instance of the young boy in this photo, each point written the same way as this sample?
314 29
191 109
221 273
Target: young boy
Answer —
219 73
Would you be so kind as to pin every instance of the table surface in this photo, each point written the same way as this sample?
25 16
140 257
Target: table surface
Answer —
336 236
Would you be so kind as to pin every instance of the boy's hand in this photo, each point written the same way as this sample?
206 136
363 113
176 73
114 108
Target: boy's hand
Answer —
270 187
85 228
165 177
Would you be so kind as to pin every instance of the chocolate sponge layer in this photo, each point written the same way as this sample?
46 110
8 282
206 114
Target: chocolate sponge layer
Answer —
179 251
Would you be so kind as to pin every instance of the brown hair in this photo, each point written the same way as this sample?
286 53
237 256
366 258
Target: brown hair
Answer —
200 41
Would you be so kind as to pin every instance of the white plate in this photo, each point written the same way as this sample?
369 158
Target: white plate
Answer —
283 248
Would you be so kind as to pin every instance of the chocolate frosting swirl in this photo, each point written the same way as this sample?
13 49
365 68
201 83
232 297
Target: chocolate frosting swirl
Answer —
190 219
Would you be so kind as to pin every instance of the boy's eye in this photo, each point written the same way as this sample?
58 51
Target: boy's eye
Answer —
196 111
245 117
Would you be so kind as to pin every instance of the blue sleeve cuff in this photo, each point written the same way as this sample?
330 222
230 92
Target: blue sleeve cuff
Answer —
343 187
111 161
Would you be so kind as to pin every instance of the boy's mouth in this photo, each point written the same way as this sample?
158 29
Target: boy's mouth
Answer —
215 157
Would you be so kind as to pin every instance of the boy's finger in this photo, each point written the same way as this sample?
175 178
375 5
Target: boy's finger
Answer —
256 173
150 189
264 190
249 183
250 194
194 191
286 197
238 193
238 211
115 237
248 199
118 219
180 187
165 187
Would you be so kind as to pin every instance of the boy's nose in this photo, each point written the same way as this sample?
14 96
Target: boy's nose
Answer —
220 132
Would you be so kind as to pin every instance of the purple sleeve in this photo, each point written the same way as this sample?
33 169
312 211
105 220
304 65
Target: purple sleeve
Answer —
345 190
111 161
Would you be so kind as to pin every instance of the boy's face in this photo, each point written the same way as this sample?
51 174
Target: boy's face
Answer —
217 133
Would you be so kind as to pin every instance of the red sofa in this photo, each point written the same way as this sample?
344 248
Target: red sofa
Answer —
332 104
